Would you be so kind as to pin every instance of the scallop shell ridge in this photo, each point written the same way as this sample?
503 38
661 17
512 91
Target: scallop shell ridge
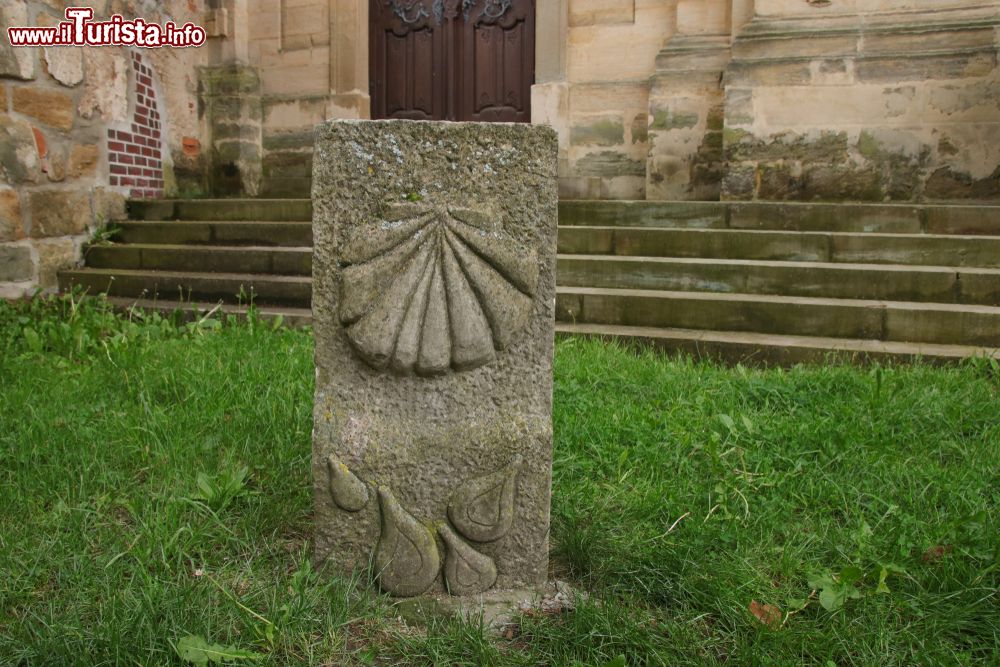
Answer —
435 291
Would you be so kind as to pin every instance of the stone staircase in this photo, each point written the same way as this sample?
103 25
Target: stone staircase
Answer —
193 255
774 283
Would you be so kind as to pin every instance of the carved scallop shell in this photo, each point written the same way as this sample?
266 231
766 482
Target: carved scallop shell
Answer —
431 290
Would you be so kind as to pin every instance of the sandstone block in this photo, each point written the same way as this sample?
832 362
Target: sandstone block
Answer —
83 160
19 162
54 255
16 263
109 205
59 212
433 303
106 88
608 131
11 228
51 107
65 64
17 63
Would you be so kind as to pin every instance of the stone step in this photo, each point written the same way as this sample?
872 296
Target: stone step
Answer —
290 210
187 311
203 232
807 279
948 324
224 259
187 286
787 216
775 350
928 249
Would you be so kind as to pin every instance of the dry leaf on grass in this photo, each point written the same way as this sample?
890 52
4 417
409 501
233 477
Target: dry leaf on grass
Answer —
767 614
936 553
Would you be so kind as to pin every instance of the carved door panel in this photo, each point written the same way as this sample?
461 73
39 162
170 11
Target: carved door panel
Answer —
408 61
497 63
452 59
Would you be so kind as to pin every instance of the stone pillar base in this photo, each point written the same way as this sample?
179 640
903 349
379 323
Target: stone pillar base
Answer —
686 113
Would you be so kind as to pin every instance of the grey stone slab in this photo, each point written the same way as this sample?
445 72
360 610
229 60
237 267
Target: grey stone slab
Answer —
433 307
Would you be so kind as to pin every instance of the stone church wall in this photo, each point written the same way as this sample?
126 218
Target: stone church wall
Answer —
868 101
84 128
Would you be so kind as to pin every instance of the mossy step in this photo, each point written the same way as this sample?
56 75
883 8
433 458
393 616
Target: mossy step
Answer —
204 232
225 259
292 210
937 284
234 288
917 249
192 310
775 350
899 321
788 216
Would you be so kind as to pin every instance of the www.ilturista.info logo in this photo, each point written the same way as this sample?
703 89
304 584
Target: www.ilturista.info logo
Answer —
79 30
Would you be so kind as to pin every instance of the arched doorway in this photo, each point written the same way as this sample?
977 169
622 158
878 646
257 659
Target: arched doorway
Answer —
468 60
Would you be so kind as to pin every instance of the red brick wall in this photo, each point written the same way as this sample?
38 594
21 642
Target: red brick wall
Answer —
135 157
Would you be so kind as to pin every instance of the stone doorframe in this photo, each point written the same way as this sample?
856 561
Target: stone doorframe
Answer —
349 94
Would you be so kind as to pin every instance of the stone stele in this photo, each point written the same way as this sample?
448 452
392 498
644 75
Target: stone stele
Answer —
433 306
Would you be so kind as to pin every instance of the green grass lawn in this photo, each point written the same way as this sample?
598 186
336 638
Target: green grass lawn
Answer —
154 490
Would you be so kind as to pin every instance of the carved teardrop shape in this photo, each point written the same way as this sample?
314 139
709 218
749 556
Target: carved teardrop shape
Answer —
406 557
482 509
432 290
348 492
466 571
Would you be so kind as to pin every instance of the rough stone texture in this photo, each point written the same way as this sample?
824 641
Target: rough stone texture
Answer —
109 205
53 256
442 233
862 105
65 64
16 264
11 228
15 63
19 161
106 90
51 107
83 160
59 212
230 96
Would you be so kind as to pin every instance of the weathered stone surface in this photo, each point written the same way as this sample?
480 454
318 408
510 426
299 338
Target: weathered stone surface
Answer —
58 212
433 302
51 107
109 205
54 255
83 160
602 132
16 264
65 64
947 183
347 491
610 163
466 571
15 63
106 90
11 228
406 559
670 119
55 163
640 128
19 161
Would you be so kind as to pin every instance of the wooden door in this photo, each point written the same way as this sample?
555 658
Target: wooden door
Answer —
452 59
